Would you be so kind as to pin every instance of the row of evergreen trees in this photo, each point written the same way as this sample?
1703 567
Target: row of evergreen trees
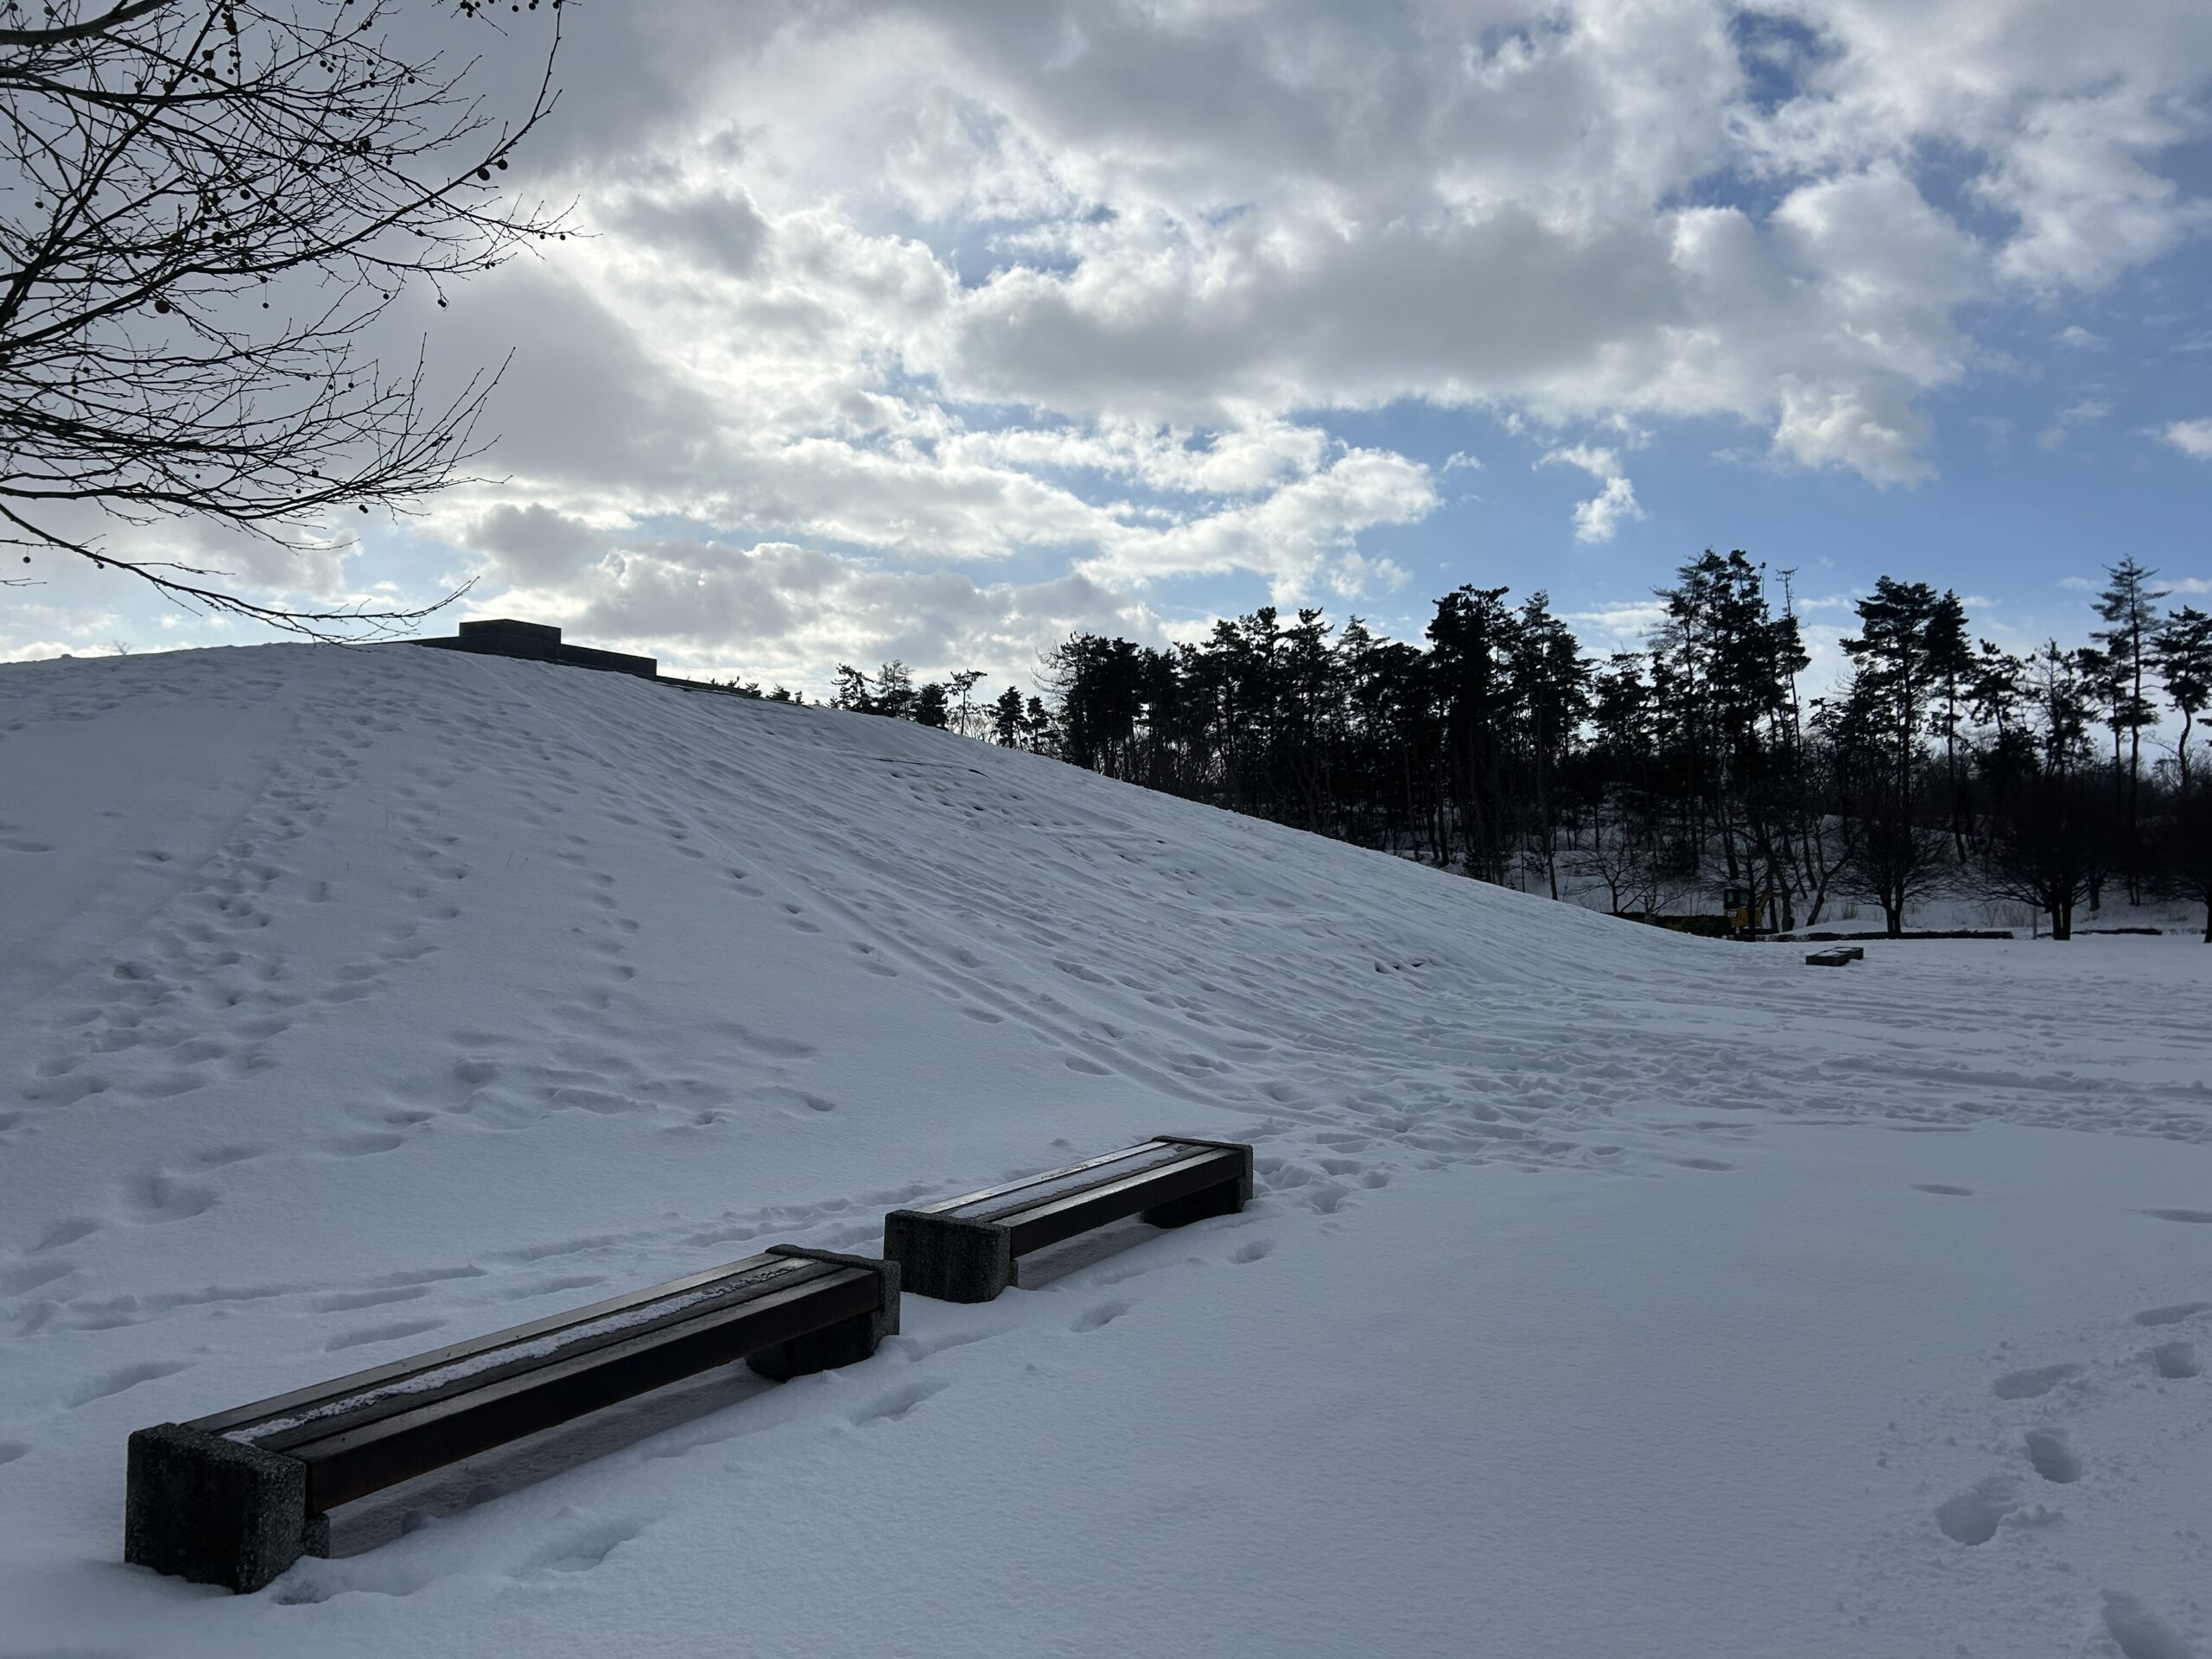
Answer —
1503 750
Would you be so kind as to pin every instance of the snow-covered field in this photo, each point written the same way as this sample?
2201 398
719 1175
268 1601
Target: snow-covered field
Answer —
1607 1292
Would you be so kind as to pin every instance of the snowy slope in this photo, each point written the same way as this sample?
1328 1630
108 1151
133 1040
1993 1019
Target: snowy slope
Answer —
1608 1291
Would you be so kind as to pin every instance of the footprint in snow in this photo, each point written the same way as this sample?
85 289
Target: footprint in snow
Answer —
161 1197
1104 1314
2176 1360
380 1333
14 1282
890 1407
77 1227
2173 1314
362 1146
2052 1458
2031 1384
129 1377
1254 1251
1972 1516
2140 1633
351 1301
585 1546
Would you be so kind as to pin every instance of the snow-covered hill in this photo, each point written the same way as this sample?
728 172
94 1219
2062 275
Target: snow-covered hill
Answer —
1607 1291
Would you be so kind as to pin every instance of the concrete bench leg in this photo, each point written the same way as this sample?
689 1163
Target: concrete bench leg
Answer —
214 1510
952 1260
846 1343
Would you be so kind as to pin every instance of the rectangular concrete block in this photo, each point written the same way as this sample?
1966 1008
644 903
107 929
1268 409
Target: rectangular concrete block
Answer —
951 1260
215 1510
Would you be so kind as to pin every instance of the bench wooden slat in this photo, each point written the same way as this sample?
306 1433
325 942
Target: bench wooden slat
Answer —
316 1393
384 1401
1078 1212
358 1460
946 1206
1047 1189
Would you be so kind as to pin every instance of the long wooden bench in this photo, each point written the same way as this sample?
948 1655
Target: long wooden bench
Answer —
968 1249
236 1498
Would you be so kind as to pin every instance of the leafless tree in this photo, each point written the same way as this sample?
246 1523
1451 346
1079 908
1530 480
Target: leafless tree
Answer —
203 207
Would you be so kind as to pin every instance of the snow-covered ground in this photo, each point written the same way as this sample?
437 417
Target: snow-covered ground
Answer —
1607 1291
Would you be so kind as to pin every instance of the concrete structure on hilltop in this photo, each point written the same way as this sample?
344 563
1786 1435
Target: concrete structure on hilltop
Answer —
539 642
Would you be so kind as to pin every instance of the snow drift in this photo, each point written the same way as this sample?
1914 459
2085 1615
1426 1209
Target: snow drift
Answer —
1606 1290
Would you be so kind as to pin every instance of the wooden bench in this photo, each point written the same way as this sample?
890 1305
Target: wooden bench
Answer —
237 1497
965 1249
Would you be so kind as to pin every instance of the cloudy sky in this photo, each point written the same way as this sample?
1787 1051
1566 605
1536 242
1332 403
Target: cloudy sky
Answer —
936 332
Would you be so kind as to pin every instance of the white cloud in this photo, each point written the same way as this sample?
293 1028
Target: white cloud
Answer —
778 611
1596 519
2089 206
1073 295
2087 412
1597 462
1355 575
1623 626
2192 438
1872 429
1285 537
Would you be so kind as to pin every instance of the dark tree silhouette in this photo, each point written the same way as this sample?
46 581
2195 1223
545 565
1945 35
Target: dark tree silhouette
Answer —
2184 654
2049 840
1655 777
203 206
1898 668
2128 606
2184 848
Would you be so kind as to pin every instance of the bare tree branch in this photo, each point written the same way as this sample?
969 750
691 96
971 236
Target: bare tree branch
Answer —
100 25
204 206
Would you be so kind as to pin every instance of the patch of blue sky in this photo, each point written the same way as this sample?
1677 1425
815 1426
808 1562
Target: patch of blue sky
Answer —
2004 520
1755 195
1777 54
1524 39
978 254
1949 177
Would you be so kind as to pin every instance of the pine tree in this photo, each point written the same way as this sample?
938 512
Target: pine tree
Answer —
2129 607
1950 666
1006 718
2183 653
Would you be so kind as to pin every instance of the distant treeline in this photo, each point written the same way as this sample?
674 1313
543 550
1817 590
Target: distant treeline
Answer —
1503 750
